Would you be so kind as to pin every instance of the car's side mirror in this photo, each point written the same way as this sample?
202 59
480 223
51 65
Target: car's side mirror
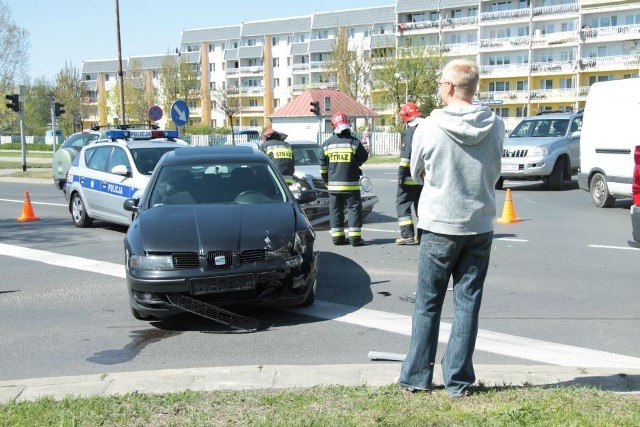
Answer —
131 205
306 196
575 134
120 170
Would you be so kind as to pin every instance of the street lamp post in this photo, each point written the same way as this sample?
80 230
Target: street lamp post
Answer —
406 86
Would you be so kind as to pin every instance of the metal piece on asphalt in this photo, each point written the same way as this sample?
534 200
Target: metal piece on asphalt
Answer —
217 314
381 355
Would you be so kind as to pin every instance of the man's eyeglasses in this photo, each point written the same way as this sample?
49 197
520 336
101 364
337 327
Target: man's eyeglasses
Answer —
445 83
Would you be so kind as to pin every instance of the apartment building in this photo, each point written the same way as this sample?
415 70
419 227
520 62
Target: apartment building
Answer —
534 55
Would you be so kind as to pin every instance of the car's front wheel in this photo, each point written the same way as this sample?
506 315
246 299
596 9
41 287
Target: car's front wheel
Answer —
311 298
600 195
499 183
556 179
79 212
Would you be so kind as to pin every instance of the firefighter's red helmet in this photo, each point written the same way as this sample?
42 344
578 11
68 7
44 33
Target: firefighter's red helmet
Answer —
273 134
409 111
340 122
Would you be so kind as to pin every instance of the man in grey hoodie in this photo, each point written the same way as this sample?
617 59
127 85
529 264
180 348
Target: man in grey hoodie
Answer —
456 156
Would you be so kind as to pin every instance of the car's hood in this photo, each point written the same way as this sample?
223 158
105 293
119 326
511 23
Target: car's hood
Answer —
313 170
204 228
530 142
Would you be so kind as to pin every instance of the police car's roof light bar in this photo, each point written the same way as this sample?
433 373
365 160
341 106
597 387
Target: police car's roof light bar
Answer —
118 134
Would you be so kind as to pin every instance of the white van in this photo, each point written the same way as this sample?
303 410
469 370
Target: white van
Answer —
609 137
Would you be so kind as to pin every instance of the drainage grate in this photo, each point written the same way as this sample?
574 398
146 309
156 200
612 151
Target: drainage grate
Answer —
217 314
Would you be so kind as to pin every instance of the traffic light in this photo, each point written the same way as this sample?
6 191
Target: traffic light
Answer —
315 107
13 102
58 109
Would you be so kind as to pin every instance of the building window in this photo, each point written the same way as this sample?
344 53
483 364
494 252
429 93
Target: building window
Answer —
253 102
276 103
303 38
522 85
276 62
274 41
288 81
522 112
251 42
498 86
212 47
253 122
289 39
214 123
288 61
276 82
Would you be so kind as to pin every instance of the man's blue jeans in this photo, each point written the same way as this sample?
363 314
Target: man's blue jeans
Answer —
465 258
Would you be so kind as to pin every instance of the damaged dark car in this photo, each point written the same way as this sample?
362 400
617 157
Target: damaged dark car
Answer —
220 226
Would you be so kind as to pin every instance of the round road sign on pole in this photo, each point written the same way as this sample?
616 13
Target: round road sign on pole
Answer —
155 113
180 112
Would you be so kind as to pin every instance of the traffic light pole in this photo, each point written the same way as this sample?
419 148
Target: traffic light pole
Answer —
23 141
53 127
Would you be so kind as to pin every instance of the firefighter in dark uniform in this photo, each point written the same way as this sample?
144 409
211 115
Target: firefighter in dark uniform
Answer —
340 160
280 153
408 190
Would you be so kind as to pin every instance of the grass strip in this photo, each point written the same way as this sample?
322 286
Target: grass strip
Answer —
337 406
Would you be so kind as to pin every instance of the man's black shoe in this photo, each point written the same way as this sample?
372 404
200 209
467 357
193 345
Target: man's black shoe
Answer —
339 241
357 242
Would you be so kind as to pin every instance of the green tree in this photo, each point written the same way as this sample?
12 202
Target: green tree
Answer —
350 67
179 80
136 101
416 67
14 47
71 91
228 102
37 107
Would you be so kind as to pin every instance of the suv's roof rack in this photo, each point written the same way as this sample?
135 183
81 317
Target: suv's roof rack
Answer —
541 113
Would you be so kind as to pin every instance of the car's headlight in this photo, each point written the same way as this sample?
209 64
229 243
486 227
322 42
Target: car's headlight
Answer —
541 150
302 182
151 262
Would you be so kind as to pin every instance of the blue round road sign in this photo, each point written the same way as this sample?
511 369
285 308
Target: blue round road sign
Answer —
180 112
155 113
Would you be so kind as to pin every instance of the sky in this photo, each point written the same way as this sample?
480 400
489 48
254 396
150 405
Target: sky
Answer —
70 31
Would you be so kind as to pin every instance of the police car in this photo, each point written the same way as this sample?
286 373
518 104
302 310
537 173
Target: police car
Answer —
110 170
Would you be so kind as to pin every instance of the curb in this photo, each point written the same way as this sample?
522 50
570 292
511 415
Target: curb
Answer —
302 376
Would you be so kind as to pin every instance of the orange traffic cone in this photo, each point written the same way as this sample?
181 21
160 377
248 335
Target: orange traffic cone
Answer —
508 212
27 210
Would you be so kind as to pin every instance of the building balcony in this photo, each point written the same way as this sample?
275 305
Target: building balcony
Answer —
509 96
506 70
610 63
418 27
318 65
560 67
322 85
456 23
232 71
301 68
537 95
459 48
605 34
522 42
504 15
245 90
253 70
556 11
252 111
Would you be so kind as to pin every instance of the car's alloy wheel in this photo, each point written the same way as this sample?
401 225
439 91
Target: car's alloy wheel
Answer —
600 195
78 212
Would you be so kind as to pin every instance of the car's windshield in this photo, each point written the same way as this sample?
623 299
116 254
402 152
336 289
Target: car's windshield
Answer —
308 155
79 140
540 128
217 182
146 159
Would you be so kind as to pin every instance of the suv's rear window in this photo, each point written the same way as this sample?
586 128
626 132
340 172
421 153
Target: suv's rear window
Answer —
540 128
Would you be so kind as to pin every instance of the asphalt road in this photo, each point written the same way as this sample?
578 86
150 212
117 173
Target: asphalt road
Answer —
562 289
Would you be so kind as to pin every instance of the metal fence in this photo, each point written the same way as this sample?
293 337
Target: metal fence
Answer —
380 143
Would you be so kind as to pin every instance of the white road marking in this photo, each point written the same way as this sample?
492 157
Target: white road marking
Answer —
626 248
33 203
492 342
380 230
508 239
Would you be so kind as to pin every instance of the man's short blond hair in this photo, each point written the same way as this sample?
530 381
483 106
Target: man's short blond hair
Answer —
463 74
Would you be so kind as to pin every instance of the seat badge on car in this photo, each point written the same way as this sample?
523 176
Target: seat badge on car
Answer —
220 260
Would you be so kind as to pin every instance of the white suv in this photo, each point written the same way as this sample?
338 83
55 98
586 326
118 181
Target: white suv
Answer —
108 171
543 147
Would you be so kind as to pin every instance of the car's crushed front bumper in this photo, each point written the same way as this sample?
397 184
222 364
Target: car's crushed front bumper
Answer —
280 282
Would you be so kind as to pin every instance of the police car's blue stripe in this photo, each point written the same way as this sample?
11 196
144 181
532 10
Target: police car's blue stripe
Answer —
115 189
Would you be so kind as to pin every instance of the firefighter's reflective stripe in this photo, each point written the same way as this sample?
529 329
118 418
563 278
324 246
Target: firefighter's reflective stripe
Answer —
405 162
337 232
324 170
337 153
355 232
343 186
405 220
288 179
280 152
409 181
